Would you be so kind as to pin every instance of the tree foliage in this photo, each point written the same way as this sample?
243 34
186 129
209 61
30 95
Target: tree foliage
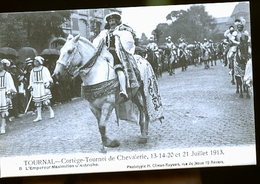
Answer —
192 25
33 29
143 40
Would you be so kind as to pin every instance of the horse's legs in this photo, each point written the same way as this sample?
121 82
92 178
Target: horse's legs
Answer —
239 86
237 91
102 115
205 64
139 100
246 90
232 76
186 64
170 66
230 58
182 64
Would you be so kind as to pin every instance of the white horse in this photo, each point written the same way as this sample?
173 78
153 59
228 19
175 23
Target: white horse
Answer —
100 84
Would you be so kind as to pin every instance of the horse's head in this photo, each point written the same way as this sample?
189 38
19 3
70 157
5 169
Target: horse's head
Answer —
242 49
69 59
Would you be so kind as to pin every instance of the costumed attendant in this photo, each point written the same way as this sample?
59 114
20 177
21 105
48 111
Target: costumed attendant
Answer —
7 89
40 82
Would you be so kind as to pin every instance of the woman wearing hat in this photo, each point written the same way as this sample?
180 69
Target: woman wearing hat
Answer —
7 89
119 39
39 84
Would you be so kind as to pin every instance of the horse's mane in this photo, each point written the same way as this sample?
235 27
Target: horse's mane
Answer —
86 41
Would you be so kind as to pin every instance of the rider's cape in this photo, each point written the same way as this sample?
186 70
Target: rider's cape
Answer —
125 48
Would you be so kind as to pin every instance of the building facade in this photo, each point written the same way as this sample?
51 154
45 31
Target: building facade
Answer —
86 22
242 9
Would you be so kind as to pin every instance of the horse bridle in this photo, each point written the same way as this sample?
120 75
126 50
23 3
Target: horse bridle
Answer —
69 70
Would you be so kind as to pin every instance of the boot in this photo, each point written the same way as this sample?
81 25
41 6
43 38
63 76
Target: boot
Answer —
3 124
122 82
51 112
39 114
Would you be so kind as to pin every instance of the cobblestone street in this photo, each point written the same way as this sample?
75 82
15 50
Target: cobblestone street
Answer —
201 109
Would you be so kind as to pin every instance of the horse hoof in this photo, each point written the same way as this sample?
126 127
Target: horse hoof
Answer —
142 141
113 144
248 97
103 150
241 96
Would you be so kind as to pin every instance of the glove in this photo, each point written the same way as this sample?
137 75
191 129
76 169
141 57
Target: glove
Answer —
47 85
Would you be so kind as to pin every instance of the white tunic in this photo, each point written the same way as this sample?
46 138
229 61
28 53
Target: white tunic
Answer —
6 85
39 77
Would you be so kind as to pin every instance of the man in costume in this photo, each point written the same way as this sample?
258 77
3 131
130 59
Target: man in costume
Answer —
233 37
152 46
241 31
206 53
229 44
120 41
39 84
182 53
7 90
170 53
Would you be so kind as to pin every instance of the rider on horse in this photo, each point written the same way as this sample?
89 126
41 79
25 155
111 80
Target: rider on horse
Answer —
152 53
112 36
240 23
152 46
231 35
206 47
182 53
212 52
170 52
229 44
182 44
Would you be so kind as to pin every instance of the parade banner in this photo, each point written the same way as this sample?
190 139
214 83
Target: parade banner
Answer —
185 109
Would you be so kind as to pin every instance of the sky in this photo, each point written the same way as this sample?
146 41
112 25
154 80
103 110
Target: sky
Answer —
145 19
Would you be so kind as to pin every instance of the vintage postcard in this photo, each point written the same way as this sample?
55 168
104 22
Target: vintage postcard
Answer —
126 89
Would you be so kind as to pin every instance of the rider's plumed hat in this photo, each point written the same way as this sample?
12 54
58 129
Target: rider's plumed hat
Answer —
240 21
151 38
113 15
168 37
39 59
6 62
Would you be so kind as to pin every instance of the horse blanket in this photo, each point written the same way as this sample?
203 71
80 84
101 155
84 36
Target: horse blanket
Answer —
151 92
248 77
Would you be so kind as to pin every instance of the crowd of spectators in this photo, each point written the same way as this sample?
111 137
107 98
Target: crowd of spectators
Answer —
62 92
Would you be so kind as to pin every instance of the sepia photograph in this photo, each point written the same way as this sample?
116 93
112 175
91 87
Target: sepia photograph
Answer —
115 89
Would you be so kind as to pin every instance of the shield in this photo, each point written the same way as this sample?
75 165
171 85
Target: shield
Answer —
50 52
8 53
27 52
